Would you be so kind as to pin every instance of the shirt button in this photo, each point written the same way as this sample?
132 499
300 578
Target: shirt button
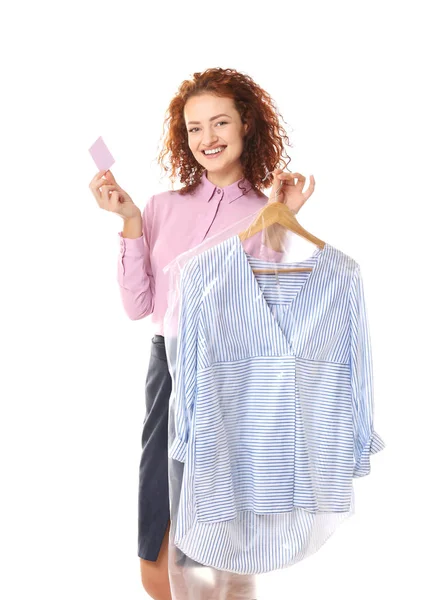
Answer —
218 191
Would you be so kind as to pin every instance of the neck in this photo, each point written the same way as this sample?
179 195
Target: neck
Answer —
222 180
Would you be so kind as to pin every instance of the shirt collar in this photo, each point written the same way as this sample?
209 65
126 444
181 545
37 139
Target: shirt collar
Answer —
230 193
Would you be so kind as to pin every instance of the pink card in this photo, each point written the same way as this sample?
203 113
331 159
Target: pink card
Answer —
101 155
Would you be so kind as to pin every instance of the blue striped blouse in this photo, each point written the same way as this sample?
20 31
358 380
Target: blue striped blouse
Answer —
273 412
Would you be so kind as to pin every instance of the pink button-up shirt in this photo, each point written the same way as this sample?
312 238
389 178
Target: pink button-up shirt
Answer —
173 224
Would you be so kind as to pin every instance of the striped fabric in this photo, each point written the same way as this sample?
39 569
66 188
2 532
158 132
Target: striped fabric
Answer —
273 410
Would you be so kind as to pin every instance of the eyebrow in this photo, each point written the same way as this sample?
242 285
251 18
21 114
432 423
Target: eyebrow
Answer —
212 119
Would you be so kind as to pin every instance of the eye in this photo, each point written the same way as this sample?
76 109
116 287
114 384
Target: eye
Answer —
191 130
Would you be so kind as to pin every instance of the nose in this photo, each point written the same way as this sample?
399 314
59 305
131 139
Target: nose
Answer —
209 138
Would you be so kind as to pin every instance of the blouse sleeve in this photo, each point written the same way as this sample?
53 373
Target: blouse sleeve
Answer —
186 357
134 274
366 440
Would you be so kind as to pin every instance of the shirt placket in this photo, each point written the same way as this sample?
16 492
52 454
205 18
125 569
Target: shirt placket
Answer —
214 207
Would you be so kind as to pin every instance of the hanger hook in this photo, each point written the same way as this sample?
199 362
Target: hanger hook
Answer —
281 183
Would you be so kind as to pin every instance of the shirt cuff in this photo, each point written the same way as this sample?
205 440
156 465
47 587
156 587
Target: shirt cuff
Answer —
363 466
131 246
178 450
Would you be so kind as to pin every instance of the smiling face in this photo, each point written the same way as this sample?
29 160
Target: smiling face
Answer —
211 123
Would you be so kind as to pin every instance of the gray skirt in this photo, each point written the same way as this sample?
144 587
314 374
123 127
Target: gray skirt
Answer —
153 497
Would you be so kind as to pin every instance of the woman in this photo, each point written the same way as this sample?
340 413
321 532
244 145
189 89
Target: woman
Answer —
224 139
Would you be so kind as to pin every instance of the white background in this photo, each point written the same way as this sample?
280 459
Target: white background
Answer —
357 86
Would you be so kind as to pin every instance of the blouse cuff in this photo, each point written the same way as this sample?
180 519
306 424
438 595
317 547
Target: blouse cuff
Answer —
178 450
131 246
363 465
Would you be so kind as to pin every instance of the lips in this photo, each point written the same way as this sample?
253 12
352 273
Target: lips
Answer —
223 147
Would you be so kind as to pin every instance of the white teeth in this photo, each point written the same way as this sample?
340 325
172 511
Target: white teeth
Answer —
215 151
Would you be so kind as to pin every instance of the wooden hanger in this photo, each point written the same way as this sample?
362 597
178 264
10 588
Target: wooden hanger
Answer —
278 212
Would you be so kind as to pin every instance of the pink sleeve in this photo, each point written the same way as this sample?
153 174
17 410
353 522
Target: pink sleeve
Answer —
135 277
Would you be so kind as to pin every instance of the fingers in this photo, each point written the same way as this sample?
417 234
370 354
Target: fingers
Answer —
102 183
105 194
113 200
102 197
311 187
100 177
96 177
301 178
287 177
110 177
289 180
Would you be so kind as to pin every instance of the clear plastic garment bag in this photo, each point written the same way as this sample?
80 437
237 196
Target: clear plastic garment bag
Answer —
271 409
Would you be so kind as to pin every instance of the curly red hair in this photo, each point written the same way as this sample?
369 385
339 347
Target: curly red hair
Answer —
263 145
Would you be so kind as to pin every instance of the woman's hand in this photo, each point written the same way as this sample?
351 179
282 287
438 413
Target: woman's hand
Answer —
110 196
291 193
